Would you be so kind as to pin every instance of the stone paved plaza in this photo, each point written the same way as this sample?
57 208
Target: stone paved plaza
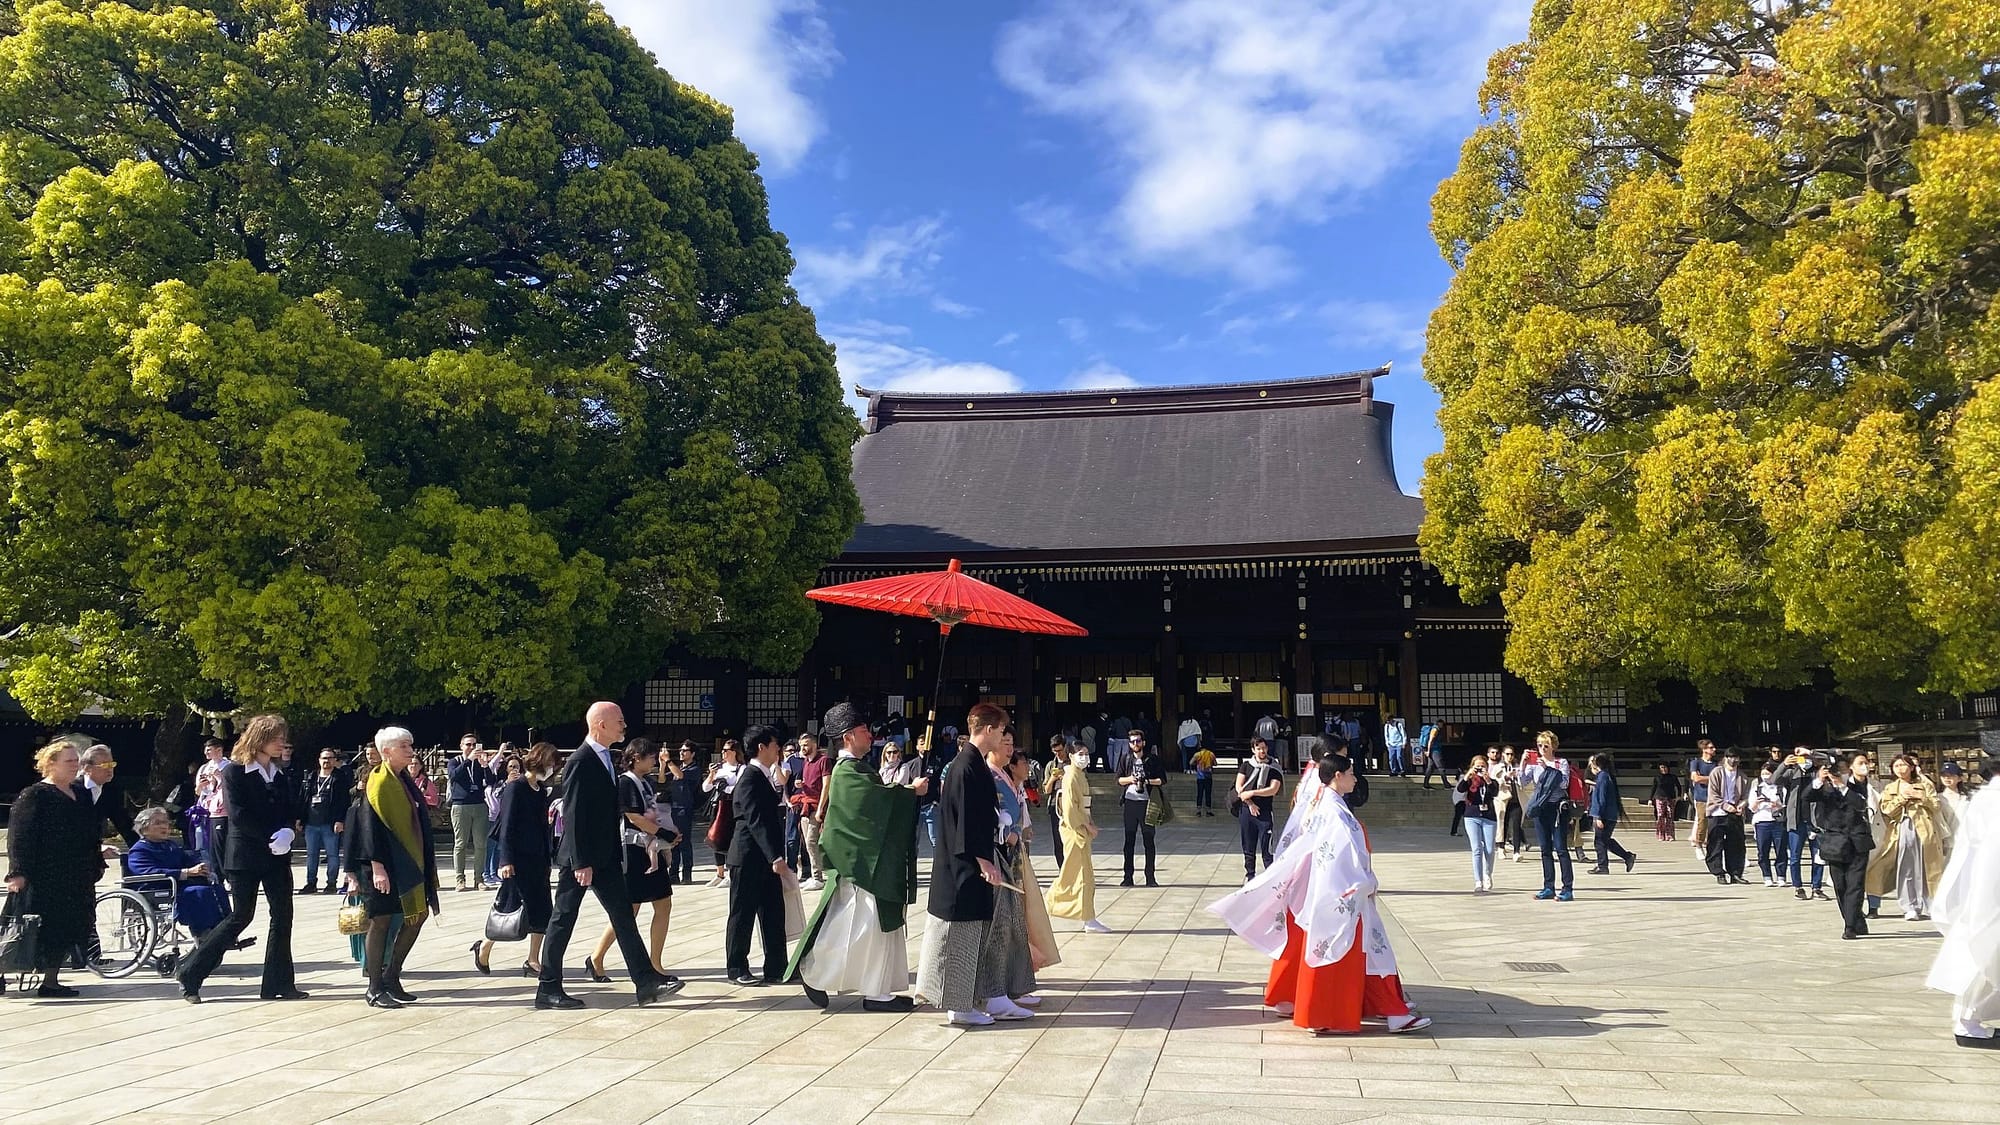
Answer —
1680 1001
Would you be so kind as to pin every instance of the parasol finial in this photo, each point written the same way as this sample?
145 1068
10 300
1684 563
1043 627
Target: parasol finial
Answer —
954 568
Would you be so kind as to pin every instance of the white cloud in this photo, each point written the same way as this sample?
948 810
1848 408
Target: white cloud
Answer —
1100 375
755 56
890 260
1398 327
1228 119
881 358
1074 328
1006 339
949 307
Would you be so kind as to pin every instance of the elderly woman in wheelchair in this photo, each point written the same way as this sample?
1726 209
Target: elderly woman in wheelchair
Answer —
176 881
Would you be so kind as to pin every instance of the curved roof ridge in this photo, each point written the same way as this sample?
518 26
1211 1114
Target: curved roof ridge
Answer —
1098 392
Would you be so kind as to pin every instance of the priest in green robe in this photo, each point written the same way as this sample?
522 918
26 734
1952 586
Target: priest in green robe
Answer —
854 941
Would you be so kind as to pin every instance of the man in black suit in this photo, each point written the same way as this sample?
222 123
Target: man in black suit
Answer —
757 865
592 857
98 784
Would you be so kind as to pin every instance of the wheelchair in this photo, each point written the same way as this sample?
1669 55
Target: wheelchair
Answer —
137 925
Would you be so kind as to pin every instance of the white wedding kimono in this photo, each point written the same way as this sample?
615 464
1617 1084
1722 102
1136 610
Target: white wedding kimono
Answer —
1323 878
1967 909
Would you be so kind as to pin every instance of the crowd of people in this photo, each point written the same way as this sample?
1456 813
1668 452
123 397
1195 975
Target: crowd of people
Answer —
541 828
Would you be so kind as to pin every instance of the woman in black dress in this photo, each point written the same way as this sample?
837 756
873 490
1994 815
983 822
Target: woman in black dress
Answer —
521 840
54 859
649 873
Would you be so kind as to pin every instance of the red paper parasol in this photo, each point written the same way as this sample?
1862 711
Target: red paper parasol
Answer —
950 598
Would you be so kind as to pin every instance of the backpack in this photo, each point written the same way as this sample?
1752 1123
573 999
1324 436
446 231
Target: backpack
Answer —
1576 787
1549 792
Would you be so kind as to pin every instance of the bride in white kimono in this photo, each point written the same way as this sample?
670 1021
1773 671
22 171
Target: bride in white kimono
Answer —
1967 908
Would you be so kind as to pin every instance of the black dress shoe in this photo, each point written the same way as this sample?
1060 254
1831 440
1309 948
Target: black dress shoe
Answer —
56 992
1985 1042
655 986
596 974
556 1001
287 994
747 980
1152 882
1125 883
1848 935
817 997
1597 871
242 943
1629 861
383 1000
892 1004
396 989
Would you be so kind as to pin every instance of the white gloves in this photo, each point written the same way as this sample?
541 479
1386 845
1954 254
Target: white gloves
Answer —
281 841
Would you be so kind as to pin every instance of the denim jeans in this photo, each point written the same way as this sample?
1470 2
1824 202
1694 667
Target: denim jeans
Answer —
1771 849
1204 792
927 820
1798 842
492 858
1398 760
1479 832
322 838
1550 832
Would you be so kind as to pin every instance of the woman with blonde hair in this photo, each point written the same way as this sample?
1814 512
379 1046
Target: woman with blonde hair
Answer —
256 857
54 861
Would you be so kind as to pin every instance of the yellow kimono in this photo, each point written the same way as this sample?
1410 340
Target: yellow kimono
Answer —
1074 894
1919 801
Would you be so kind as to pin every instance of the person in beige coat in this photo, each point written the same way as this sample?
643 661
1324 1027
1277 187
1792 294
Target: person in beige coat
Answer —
1909 860
1074 894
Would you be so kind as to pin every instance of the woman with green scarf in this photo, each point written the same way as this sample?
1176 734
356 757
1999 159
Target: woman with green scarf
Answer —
399 867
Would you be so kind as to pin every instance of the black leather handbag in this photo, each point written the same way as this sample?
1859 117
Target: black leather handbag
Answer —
507 920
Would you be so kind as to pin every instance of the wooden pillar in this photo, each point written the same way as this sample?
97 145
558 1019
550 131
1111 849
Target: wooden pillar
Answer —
1406 678
1167 689
1024 692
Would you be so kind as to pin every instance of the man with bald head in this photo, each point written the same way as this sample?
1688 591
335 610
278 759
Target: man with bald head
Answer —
592 857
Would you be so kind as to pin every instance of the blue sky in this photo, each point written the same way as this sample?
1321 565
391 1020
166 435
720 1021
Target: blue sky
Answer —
1093 193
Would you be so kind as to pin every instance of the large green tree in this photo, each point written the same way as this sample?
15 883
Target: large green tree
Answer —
379 352
1719 361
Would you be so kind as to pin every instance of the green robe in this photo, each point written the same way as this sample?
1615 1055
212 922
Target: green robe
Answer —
870 837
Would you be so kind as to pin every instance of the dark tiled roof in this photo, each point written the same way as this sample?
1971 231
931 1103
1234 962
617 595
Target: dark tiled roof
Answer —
1241 469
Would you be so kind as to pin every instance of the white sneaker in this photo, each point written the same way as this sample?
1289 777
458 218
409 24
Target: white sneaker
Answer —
1096 927
715 882
973 1018
813 884
1910 916
1001 1008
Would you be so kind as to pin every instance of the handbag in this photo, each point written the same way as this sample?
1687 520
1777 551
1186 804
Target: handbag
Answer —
795 906
508 918
20 937
352 918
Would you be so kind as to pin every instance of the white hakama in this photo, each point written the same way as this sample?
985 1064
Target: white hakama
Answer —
852 952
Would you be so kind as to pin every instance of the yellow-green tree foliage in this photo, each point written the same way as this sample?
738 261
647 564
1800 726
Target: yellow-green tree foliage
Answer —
1719 360
369 353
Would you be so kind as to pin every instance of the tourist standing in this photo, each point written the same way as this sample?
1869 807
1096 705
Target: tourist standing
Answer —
1953 801
1665 799
54 861
1397 740
326 799
1507 802
590 857
1840 802
522 840
757 867
256 858
1968 911
1203 765
1074 893
1605 811
1314 914
1699 768
1476 793
1728 796
1911 859
854 940
1139 776
721 786
683 798
1052 782
648 844
465 788
964 878
1547 783
812 812
1259 781
1801 838
1767 821
393 850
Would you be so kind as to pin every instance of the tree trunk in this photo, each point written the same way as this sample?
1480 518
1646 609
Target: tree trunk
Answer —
173 752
